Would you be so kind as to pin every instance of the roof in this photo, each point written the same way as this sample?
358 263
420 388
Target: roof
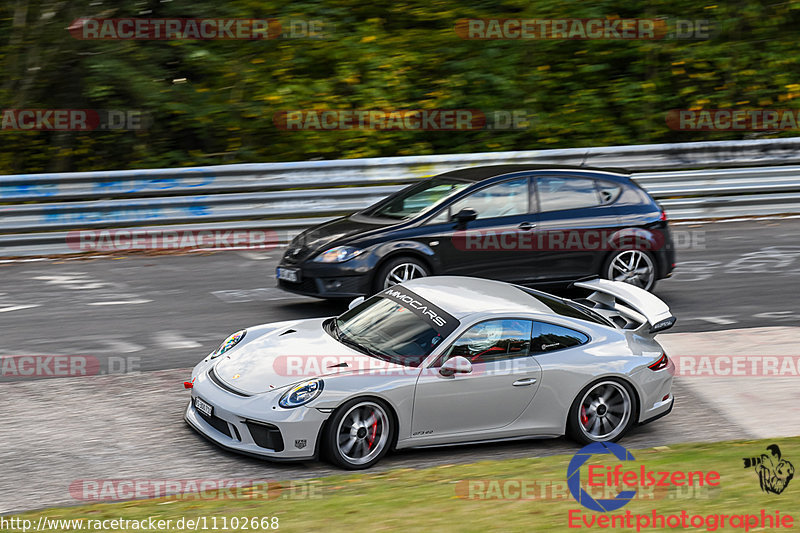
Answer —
461 296
489 171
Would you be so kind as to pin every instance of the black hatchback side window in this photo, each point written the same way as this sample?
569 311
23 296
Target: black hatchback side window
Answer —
549 337
609 191
507 198
557 193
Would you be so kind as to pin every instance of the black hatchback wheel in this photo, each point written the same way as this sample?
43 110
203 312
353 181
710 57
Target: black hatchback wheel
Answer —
636 267
399 270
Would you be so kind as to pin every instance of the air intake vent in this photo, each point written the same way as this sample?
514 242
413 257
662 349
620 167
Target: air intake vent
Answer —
287 332
265 435
216 423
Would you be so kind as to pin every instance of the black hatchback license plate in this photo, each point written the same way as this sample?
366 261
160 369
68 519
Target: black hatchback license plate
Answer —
289 274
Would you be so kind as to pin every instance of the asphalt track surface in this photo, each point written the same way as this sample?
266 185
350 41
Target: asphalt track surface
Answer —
148 319
170 311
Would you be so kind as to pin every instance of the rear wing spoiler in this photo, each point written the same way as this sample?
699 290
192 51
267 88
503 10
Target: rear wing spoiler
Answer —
629 307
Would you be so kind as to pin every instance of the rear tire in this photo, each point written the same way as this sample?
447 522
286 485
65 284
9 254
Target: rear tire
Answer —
359 434
637 267
398 270
604 411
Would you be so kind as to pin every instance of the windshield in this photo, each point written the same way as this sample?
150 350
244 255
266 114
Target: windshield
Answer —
413 200
388 330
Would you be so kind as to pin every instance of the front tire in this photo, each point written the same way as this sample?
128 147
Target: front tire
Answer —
604 411
399 270
359 434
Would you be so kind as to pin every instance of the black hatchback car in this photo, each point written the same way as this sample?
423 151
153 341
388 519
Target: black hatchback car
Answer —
526 224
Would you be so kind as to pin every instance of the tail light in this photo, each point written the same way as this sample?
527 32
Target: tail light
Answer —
663 217
661 364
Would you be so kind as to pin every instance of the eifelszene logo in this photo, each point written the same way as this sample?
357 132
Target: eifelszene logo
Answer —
632 477
774 472
574 477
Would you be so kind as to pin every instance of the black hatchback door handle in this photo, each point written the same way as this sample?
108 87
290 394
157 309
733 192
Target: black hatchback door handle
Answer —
527 226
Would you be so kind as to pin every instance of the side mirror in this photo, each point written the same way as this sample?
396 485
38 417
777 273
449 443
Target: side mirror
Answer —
355 302
456 365
465 215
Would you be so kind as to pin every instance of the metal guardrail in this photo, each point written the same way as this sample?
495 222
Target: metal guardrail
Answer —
37 210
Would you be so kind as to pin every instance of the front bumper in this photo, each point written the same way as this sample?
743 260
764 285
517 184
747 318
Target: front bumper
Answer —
350 279
255 425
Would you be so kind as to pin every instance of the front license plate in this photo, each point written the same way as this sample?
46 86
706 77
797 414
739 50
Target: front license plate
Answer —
203 407
289 274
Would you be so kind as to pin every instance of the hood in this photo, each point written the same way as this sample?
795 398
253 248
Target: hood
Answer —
317 239
297 352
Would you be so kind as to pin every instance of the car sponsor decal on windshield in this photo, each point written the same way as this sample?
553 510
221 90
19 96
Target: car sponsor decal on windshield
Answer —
444 323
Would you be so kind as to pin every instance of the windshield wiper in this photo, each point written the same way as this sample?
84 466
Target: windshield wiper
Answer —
361 347
347 341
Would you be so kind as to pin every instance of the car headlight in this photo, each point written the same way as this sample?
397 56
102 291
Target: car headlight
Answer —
340 254
301 394
229 343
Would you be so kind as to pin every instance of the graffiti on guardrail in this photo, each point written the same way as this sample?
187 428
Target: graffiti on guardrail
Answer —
348 185
190 178
125 215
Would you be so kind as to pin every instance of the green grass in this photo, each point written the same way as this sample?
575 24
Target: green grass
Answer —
434 499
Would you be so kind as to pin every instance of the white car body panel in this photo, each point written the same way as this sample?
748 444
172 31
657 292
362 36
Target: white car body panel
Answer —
429 408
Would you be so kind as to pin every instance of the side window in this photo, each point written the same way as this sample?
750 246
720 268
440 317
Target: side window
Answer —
558 193
549 337
609 192
493 340
504 199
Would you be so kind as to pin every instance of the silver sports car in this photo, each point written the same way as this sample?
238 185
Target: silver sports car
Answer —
438 360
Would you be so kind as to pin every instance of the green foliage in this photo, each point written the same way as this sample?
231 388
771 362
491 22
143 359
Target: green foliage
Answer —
384 55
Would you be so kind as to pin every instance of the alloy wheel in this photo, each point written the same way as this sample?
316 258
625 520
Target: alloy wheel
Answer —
634 267
605 411
403 272
363 433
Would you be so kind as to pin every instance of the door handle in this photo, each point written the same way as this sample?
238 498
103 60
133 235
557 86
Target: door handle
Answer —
527 226
523 382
